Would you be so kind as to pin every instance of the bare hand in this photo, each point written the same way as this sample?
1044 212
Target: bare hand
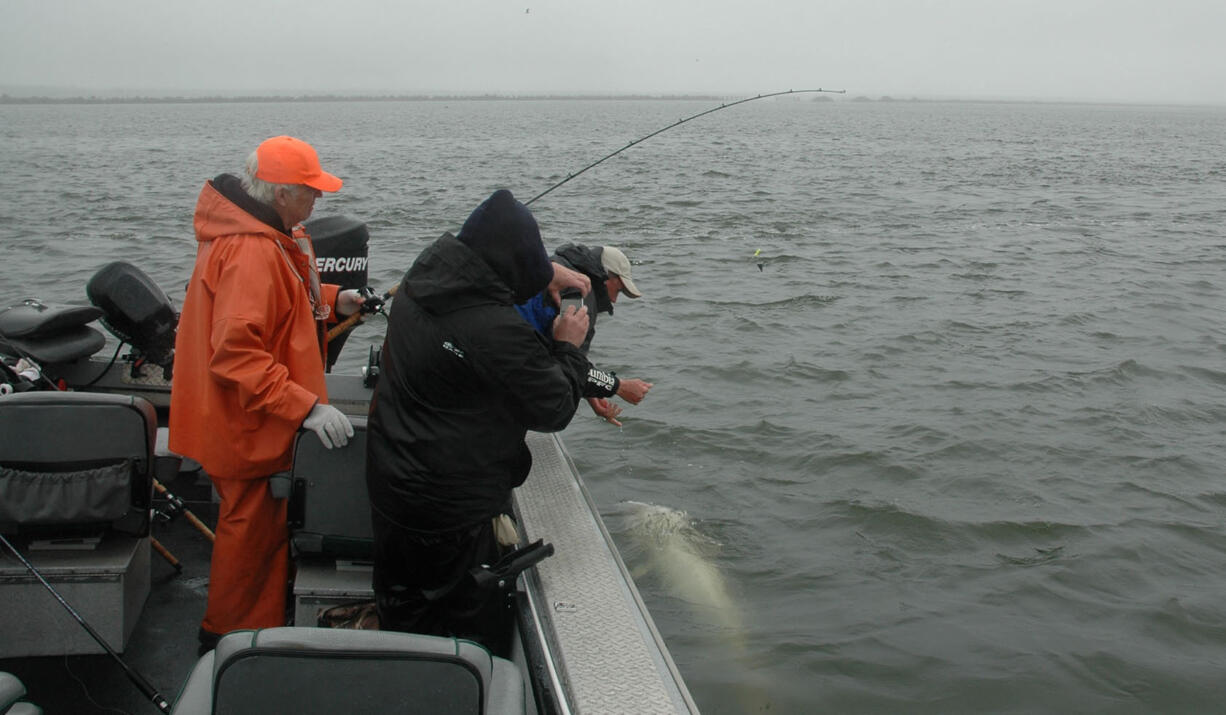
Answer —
605 410
632 390
349 302
564 278
571 326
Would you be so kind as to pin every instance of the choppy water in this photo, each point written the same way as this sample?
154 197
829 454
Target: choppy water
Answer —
958 446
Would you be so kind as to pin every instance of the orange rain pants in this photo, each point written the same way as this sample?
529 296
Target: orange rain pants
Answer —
250 570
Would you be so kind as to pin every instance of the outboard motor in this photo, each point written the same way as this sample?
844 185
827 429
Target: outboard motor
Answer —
341 246
136 311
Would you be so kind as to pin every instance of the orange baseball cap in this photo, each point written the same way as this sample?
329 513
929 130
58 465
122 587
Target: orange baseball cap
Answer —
286 160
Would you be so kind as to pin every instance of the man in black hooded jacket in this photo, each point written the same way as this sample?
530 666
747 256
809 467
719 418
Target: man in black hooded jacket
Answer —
463 379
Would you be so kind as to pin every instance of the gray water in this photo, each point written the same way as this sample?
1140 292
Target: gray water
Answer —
956 446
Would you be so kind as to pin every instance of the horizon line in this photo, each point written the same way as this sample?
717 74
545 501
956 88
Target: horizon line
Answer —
33 99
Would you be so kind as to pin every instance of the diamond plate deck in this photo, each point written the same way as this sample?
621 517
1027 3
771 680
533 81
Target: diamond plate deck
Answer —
606 649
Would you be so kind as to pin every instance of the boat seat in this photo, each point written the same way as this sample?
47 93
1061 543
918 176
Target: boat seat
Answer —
12 692
72 462
329 511
49 333
71 345
323 670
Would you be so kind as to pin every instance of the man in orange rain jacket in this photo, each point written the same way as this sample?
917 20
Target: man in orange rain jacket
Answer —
249 369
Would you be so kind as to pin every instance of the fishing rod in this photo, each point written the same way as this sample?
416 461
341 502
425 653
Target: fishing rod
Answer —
136 678
678 123
175 506
357 317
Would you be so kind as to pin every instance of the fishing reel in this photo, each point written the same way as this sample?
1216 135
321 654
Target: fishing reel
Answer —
372 302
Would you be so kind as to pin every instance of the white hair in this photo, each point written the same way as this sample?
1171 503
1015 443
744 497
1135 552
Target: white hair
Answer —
259 189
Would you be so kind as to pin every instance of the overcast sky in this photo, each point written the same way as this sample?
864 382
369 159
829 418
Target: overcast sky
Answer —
1094 50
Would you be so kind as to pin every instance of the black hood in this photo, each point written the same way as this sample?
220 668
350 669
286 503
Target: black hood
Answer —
504 234
449 276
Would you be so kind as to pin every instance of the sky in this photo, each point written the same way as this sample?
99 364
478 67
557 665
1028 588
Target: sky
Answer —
1160 51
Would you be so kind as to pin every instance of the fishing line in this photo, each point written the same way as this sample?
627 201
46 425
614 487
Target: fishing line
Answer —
678 123
85 690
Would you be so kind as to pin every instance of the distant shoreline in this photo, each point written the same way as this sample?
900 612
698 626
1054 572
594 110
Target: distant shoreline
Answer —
221 99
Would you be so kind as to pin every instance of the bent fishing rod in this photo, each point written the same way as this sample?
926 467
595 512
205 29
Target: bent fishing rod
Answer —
354 319
678 123
137 679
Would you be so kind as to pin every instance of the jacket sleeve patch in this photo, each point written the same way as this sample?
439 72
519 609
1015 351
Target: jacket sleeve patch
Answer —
605 380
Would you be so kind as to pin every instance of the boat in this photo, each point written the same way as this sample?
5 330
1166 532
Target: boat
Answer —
584 641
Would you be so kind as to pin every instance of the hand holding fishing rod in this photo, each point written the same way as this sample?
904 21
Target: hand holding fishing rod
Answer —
372 303
567 279
563 278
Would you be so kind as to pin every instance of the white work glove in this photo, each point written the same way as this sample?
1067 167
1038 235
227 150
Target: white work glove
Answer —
330 424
